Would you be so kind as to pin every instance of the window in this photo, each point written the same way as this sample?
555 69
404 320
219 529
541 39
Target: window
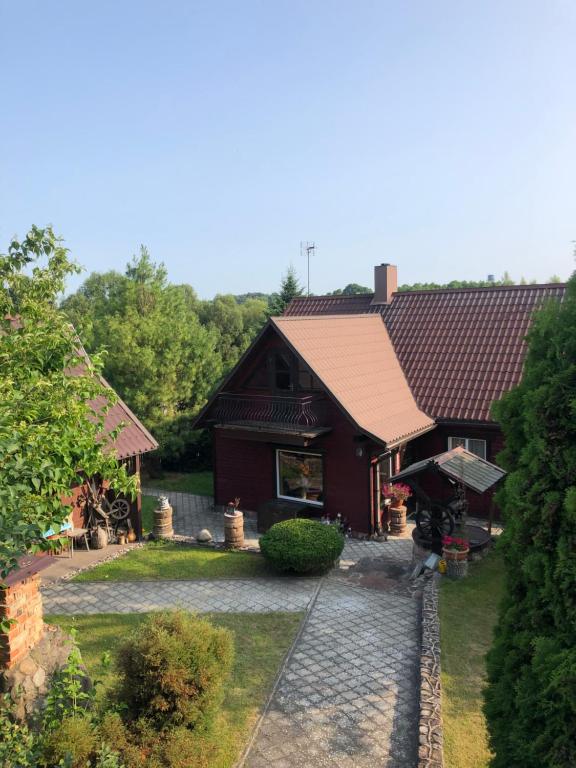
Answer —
300 476
282 373
477 447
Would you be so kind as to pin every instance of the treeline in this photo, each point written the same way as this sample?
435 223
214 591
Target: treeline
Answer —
165 349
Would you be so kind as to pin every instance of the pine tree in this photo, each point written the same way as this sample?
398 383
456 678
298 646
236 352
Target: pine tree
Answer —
531 697
289 288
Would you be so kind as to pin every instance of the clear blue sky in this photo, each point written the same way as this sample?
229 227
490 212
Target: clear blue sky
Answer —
440 136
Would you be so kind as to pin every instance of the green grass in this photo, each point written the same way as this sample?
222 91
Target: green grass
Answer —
199 483
261 642
178 561
148 507
468 613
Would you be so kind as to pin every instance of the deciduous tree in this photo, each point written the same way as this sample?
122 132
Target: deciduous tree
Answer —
51 438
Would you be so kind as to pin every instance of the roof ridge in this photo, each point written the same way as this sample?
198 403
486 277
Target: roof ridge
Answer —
338 316
529 286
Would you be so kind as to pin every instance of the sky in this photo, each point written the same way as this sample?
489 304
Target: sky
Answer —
438 135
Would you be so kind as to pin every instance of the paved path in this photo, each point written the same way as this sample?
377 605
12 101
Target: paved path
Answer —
348 696
220 596
192 513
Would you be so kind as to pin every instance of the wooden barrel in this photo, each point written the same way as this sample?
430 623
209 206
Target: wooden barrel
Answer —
163 523
397 520
234 530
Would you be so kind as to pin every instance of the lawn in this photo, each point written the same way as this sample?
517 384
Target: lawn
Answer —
148 507
468 612
199 483
261 642
177 561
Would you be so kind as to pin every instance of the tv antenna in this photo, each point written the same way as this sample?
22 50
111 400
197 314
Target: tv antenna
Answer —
310 248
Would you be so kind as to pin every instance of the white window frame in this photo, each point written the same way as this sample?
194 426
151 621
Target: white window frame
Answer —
293 498
466 444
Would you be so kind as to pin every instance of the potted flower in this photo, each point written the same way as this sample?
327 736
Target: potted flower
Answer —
397 493
455 552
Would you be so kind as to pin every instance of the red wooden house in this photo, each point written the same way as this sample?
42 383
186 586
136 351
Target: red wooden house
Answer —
340 392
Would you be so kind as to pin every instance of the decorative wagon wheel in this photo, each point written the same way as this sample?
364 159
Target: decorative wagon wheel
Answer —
119 510
435 522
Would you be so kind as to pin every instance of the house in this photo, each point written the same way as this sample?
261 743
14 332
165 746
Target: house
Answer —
339 393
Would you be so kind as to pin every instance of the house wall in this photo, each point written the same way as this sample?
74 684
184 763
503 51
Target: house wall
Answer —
247 468
436 441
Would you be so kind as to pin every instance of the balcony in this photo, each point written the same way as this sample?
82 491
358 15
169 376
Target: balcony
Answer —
301 416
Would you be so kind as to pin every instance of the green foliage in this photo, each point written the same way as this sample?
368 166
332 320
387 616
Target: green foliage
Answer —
18 746
531 698
71 743
303 546
506 279
172 670
71 692
50 437
289 288
352 289
165 349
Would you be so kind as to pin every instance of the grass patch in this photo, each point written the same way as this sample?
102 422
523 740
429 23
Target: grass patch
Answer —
199 483
148 507
468 613
177 561
261 642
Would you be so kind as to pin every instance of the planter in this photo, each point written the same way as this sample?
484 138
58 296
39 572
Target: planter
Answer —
397 519
162 528
456 562
233 530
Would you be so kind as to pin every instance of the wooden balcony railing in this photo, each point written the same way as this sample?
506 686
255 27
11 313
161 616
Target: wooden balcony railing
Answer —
295 410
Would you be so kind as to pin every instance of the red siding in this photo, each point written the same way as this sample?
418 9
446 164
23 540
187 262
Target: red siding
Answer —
247 469
436 442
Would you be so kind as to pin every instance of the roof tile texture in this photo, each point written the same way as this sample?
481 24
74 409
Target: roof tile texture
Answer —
353 357
459 349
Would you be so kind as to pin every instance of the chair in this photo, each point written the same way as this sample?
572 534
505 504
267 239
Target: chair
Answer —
75 533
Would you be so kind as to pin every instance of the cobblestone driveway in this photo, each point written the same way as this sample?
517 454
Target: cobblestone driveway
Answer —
348 696
222 596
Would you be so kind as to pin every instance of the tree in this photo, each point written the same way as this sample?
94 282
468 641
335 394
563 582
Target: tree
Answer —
351 289
159 356
289 288
531 697
51 438
236 324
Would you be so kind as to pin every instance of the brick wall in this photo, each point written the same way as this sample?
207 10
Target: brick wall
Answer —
20 601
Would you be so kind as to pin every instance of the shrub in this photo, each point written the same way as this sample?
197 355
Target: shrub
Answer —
303 546
172 670
17 744
72 743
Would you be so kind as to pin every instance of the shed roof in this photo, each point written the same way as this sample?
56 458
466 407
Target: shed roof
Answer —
134 438
460 349
461 465
353 357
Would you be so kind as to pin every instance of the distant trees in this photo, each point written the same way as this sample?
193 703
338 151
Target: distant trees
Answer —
165 350
351 289
531 697
289 288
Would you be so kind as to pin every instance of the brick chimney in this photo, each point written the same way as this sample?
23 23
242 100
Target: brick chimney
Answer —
385 283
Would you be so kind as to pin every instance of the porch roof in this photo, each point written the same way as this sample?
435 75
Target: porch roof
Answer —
461 465
353 357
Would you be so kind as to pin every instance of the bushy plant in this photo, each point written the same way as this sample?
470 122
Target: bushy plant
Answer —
531 697
71 743
18 746
302 546
172 670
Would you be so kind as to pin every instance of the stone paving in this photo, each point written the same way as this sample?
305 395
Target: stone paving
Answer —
348 696
191 513
215 596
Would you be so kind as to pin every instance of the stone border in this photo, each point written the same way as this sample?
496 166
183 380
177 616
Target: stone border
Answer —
430 753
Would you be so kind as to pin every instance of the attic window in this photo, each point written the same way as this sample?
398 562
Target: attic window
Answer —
282 373
477 447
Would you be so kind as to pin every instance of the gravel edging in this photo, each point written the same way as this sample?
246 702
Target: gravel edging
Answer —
430 753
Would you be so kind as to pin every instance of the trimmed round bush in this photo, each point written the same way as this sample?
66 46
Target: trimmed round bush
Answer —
172 670
302 546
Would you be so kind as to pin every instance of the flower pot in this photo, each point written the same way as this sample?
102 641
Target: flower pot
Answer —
233 529
456 562
397 520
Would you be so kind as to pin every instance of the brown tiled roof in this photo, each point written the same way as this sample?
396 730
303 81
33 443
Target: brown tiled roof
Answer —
460 349
134 438
354 359
355 304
